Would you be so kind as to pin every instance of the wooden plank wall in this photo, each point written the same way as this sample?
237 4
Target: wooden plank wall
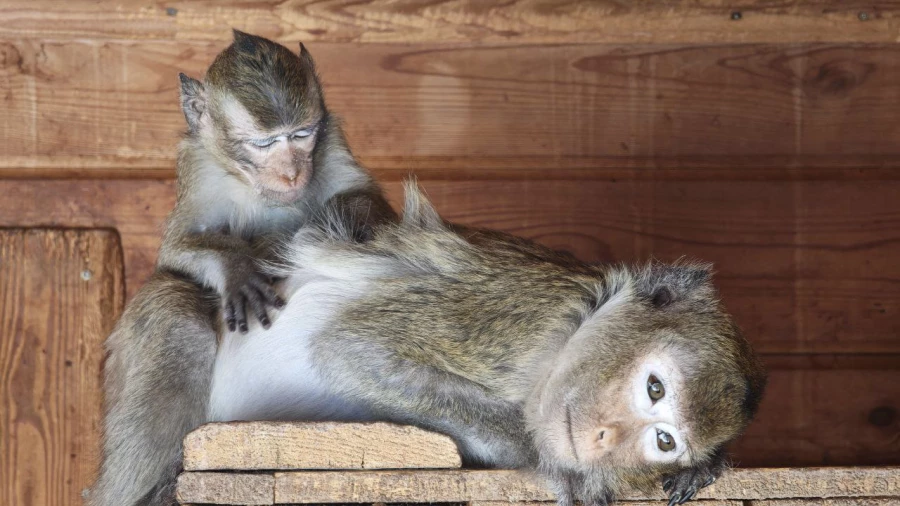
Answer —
764 138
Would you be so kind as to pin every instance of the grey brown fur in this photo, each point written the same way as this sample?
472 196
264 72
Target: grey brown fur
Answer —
161 353
466 327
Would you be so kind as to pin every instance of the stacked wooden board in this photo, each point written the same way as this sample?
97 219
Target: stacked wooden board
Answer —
262 463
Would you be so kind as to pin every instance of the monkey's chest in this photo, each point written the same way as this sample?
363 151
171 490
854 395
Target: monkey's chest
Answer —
270 375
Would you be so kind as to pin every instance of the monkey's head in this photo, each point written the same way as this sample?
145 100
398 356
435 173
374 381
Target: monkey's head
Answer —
259 113
656 379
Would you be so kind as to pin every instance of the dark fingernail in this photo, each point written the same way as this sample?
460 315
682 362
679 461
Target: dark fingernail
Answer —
690 495
265 322
710 481
231 325
675 498
279 302
244 327
668 485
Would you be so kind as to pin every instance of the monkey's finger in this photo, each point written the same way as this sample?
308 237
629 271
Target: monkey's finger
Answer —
668 484
254 299
229 316
269 295
675 498
241 314
691 492
709 481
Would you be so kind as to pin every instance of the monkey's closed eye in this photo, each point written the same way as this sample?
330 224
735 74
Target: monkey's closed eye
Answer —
263 143
655 388
664 441
306 132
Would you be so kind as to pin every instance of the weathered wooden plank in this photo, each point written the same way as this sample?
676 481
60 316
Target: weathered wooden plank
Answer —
60 293
321 445
628 503
806 267
226 488
494 485
553 21
824 417
868 501
78 106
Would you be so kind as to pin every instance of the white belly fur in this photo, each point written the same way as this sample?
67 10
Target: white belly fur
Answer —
268 374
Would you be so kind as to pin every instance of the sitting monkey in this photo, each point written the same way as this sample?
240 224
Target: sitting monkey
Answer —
599 377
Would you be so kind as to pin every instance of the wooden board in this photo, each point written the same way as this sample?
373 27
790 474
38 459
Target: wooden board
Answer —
60 293
99 108
498 485
320 445
827 502
806 267
552 21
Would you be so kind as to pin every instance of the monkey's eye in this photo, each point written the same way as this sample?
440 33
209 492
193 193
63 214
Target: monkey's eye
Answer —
655 388
664 441
299 134
263 143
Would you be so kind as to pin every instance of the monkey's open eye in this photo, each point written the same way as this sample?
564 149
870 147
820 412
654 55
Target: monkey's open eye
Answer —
263 143
655 388
664 441
299 134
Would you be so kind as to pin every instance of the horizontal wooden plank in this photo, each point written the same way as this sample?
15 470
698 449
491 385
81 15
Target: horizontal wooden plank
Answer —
805 267
627 503
78 106
226 488
321 445
824 418
867 501
553 21
477 485
60 294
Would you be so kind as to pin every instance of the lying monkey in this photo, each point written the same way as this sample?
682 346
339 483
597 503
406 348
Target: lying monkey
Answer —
599 377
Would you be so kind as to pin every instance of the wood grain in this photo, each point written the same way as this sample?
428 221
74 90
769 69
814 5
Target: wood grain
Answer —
824 418
546 21
806 267
60 294
593 111
494 485
868 501
226 488
628 503
321 445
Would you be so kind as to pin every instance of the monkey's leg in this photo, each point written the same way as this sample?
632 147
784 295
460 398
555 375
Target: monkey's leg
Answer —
157 380
487 429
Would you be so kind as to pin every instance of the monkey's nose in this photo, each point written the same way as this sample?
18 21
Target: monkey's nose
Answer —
599 441
290 179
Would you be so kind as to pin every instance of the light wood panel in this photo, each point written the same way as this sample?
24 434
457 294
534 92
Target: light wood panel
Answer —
316 445
498 485
60 293
102 108
805 267
545 21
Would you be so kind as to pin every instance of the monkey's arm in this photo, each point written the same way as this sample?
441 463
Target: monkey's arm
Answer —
487 429
225 263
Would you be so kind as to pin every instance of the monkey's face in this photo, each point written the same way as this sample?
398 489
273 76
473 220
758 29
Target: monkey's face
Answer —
655 380
277 162
260 114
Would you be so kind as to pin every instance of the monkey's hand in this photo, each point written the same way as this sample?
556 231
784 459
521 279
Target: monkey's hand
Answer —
247 289
685 484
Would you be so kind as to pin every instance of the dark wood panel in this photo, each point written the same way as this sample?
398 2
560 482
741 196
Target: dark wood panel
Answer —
74 107
805 267
548 21
60 293
825 418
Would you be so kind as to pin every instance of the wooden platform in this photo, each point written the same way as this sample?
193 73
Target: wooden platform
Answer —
385 463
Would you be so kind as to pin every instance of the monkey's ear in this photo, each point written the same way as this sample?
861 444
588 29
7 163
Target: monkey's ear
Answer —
193 101
306 56
665 284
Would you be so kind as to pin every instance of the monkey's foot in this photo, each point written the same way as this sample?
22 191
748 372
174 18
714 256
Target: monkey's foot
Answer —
683 486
